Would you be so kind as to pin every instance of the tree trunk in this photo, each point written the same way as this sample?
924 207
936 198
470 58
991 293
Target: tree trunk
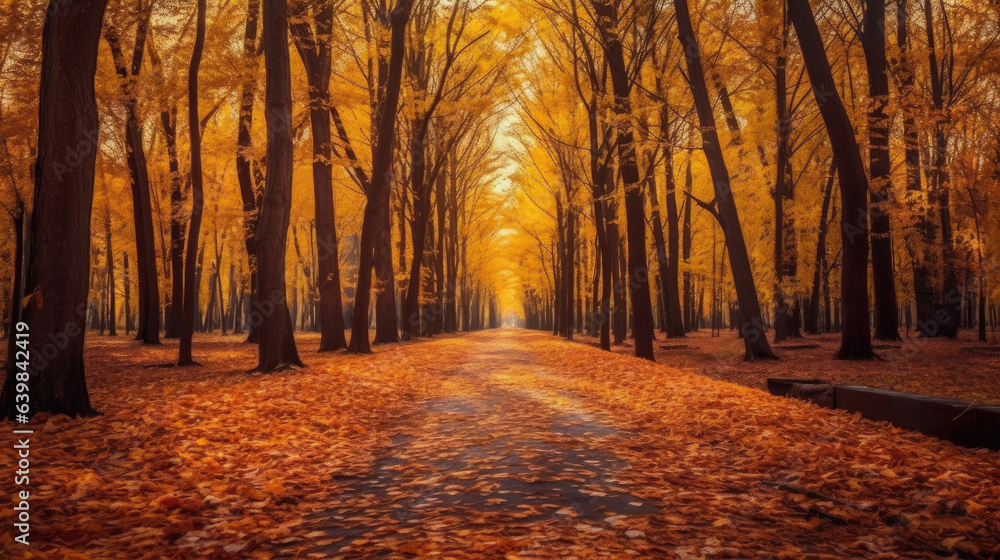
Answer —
58 260
568 271
856 334
675 322
660 244
880 168
197 196
112 331
783 184
375 234
752 326
690 319
173 328
149 293
249 192
812 313
277 343
635 213
439 253
314 49
603 225
418 230
938 191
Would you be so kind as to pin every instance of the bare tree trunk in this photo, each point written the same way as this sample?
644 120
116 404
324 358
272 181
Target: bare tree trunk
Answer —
58 260
197 196
856 334
752 321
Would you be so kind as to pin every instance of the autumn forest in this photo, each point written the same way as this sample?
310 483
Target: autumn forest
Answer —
500 279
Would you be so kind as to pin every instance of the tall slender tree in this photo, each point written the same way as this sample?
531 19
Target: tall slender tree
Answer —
249 187
192 261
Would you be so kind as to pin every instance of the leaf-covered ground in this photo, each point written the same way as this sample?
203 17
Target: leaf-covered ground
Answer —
911 365
498 444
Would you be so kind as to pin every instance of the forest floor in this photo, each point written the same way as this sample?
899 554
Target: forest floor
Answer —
960 369
499 444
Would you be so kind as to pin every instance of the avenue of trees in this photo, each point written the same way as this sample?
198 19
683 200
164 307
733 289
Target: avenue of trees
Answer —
796 167
385 170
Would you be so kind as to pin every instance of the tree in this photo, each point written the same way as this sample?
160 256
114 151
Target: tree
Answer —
277 343
149 293
723 207
191 285
314 49
58 265
374 234
249 188
880 166
606 14
855 342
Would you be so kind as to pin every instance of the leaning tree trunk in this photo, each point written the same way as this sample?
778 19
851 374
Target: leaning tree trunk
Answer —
197 196
58 260
635 212
855 342
880 165
276 343
752 327
374 237
314 49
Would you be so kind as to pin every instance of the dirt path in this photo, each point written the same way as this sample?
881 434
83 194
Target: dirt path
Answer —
523 467
534 448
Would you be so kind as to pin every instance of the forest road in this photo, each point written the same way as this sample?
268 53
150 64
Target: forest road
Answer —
532 467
